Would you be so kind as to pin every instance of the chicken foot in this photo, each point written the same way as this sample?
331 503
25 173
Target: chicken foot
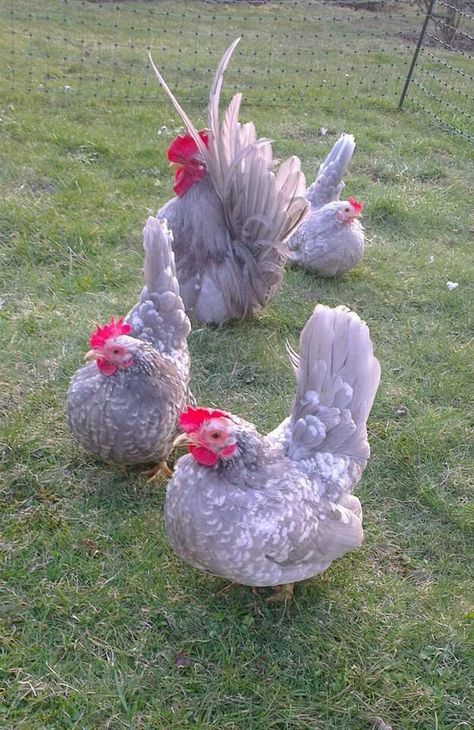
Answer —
282 594
159 470
227 588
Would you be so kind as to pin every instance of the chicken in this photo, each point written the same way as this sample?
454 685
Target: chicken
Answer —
123 406
266 511
331 239
232 214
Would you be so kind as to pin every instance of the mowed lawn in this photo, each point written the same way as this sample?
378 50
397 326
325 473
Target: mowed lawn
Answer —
102 626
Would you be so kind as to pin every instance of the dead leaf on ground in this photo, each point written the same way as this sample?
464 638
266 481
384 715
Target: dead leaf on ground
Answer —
91 546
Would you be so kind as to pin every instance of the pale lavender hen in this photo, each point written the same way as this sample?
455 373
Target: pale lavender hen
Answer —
265 511
123 406
232 214
331 239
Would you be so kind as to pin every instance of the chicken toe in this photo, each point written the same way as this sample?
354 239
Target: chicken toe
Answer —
159 470
282 594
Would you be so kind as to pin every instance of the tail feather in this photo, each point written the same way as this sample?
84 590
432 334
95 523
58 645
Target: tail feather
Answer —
329 183
232 114
337 378
186 120
159 316
262 209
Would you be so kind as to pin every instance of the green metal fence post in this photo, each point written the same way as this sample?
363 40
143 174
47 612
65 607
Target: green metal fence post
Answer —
415 55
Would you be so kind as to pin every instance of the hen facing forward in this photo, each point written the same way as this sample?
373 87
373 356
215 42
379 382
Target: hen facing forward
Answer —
123 406
270 510
232 213
331 239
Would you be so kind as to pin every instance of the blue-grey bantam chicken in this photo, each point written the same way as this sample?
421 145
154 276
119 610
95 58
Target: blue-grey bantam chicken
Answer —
272 510
331 239
232 213
123 406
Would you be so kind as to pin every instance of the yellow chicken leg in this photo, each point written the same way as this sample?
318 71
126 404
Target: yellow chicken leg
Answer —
159 470
282 594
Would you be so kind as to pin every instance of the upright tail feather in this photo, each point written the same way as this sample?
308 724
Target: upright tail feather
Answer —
187 122
240 166
262 208
159 315
329 183
211 159
337 378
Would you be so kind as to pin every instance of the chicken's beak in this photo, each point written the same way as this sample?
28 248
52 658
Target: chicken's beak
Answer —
91 355
184 439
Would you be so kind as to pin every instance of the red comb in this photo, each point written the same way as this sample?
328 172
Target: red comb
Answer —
183 148
192 418
101 334
356 206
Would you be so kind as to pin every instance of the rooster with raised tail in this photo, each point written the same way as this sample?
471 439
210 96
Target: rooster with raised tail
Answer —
270 511
331 239
123 406
232 214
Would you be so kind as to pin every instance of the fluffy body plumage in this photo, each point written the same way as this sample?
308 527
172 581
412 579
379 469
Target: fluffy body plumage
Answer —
331 239
279 508
230 225
128 413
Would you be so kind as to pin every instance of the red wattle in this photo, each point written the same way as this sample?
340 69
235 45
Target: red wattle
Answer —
106 367
186 176
203 456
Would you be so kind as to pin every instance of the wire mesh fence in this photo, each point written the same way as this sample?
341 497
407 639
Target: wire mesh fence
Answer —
442 81
292 51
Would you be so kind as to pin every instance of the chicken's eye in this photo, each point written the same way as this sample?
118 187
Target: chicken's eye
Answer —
215 435
116 351
347 210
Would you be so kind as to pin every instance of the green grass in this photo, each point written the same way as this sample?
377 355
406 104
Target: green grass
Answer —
102 626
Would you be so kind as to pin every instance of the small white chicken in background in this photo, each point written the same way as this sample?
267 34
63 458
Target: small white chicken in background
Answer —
331 239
